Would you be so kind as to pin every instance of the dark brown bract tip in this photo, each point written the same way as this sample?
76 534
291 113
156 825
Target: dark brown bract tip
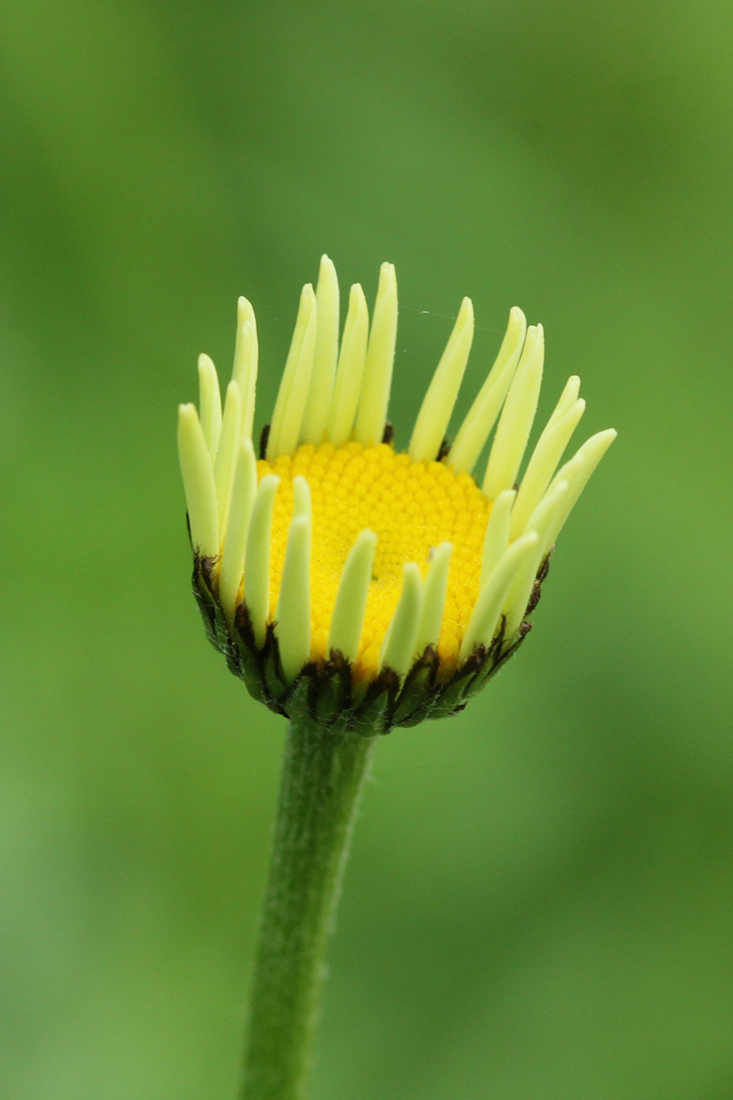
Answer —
328 692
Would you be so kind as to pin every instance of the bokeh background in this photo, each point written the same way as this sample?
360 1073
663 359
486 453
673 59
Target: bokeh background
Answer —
539 904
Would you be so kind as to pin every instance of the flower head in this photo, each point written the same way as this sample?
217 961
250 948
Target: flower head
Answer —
364 586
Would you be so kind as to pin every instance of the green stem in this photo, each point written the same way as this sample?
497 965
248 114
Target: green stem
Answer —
321 781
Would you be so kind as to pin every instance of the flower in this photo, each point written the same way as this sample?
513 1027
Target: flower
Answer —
345 580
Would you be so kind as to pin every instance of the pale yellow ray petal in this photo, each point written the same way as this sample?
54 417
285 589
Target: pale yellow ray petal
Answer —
198 483
542 465
245 363
257 558
350 370
481 417
398 648
293 615
377 381
521 588
437 407
226 456
313 429
351 599
209 403
244 490
435 587
496 538
516 418
485 616
290 404
578 472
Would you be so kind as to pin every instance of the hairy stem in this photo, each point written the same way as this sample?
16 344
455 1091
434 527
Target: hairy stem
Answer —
319 792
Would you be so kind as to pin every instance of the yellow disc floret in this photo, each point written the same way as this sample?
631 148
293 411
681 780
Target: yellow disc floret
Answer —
411 506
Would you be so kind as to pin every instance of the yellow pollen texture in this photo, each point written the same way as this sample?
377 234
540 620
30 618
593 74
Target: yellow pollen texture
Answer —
411 506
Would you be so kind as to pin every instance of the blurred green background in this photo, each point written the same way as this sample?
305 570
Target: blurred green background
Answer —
539 904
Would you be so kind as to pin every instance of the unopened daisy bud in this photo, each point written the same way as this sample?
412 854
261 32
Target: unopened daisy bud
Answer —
355 587
346 582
